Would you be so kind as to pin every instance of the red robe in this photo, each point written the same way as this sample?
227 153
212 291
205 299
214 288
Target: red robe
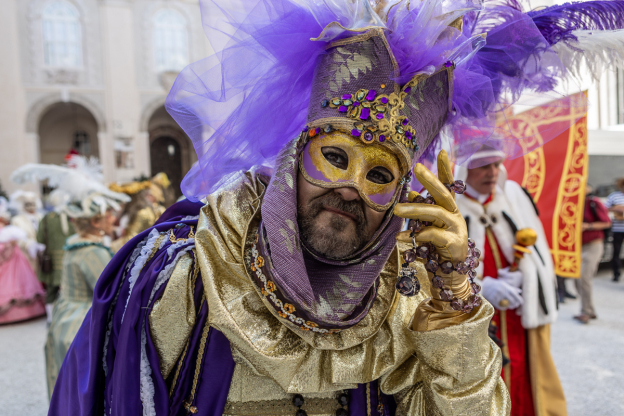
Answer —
516 373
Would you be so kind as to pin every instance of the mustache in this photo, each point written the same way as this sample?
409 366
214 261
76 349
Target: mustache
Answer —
333 200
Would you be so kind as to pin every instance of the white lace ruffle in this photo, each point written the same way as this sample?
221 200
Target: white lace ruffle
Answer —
146 252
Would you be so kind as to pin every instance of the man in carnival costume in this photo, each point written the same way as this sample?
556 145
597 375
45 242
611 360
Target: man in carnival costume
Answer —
284 291
496 209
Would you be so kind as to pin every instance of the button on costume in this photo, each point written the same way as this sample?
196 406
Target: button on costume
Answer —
525 300
223 307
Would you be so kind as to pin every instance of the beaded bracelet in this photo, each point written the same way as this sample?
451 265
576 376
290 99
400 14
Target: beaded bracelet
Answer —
408 284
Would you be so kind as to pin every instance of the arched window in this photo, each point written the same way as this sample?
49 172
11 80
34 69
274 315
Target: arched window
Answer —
62 37
170 41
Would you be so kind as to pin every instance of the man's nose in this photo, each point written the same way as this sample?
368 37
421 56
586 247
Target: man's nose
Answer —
348 194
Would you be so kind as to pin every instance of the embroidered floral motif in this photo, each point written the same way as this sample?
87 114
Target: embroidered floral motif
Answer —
284 310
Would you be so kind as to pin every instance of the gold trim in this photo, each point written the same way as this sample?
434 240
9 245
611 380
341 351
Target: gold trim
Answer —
368 400
198 364
174 240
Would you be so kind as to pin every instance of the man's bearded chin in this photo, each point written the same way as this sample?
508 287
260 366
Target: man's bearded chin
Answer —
338 238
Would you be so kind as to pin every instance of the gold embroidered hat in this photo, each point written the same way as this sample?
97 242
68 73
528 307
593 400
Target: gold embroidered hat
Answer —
355 90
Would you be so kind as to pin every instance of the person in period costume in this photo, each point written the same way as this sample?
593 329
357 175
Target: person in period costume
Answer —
27 204
21 295
145 207
53 231
294 290
495 209
80 195
595 221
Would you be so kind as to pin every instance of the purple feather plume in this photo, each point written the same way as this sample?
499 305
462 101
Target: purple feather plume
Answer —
557 23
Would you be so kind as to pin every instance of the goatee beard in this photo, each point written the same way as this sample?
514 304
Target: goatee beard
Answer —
330 240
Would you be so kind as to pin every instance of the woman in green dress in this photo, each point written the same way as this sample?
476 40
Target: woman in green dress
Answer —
85 258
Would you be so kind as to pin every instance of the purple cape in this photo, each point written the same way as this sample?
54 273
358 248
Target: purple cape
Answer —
101 373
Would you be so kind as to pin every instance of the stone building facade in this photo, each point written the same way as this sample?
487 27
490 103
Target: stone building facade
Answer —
93 75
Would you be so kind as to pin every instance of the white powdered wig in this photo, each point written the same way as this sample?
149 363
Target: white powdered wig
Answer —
595 50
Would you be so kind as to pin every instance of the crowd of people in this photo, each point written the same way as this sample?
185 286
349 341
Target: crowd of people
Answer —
52 257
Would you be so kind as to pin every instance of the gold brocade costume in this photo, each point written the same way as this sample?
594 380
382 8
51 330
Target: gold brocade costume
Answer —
449 371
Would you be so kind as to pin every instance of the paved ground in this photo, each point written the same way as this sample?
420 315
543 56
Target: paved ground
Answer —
587 357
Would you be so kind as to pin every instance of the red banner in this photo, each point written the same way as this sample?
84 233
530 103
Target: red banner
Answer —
555 175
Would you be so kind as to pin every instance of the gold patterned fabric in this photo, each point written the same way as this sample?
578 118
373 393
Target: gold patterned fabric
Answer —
449 371
173 315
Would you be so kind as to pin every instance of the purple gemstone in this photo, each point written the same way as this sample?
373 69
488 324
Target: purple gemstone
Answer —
457 304
476 301
423 251
382 138
446 295
448 64
415 226
472 262
356 132
471 243
409 255
371 95
408 284
437 282
475 288
429 200
459 187
405 122
408 134
365 113
462 267
408 89
368 136
384 100
356 104
472 274
468 307
431 266
419 199
446 267
476 253
427 223
305 129
435 256
346 97
379 116
342 109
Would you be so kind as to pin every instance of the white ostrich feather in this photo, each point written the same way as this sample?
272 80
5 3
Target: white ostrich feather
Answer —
595 50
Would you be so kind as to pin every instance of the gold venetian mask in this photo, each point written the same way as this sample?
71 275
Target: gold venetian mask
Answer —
338 160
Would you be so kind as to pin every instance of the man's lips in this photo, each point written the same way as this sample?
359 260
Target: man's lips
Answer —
339 212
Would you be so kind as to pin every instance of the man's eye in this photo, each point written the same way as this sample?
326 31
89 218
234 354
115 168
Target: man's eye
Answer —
336 157
380 175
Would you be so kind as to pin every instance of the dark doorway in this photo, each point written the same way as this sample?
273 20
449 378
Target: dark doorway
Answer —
166 156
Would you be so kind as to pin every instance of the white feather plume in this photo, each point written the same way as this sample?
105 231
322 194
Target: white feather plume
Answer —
79 184
595 50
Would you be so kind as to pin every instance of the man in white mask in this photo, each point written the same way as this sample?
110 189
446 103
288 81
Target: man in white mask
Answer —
525 300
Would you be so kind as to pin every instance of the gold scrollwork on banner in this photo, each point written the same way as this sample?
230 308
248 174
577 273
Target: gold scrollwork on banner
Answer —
568 215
